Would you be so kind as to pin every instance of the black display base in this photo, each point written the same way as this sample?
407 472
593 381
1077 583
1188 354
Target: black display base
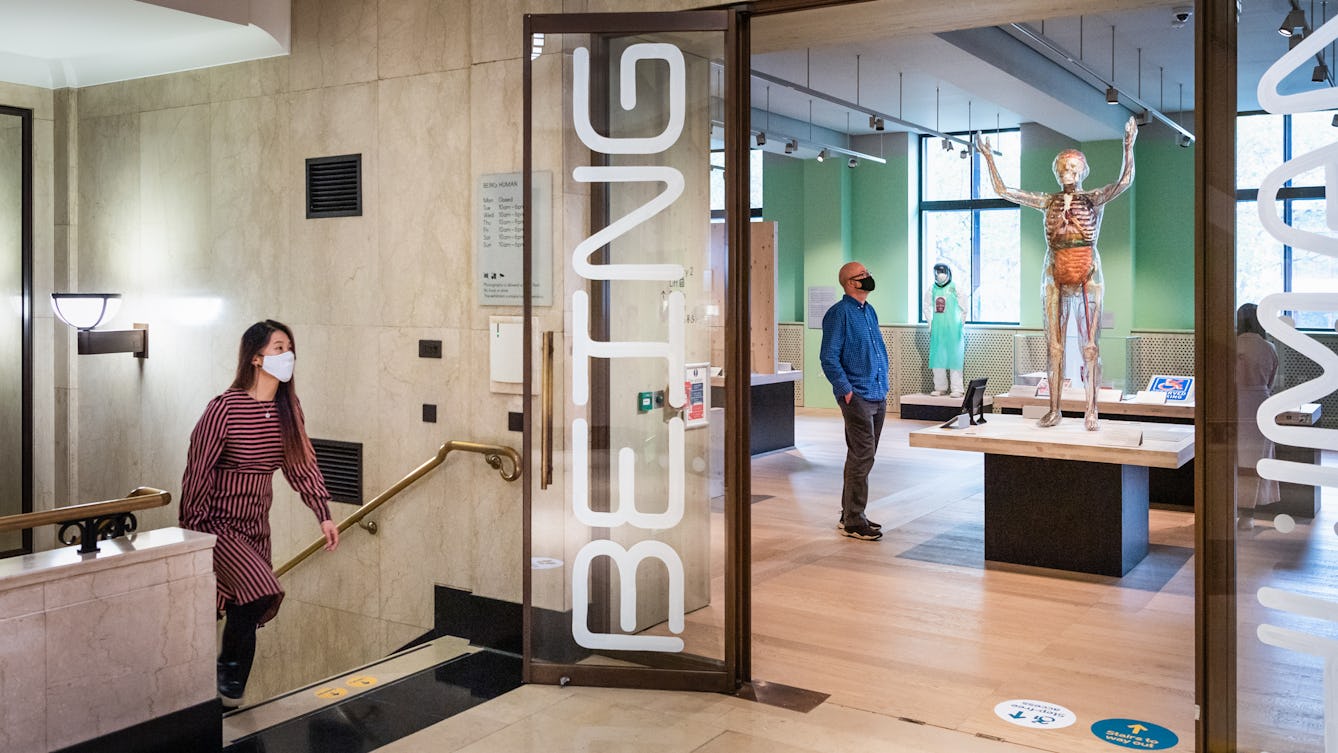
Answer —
1298 500
1066 514
197 728
920 412
771 416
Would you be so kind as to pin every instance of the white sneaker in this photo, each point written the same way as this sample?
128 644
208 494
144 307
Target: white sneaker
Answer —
937 393
958 394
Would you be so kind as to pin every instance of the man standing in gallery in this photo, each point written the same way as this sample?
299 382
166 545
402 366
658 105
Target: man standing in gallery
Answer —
854 359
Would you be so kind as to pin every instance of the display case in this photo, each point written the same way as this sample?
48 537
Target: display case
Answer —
1117 360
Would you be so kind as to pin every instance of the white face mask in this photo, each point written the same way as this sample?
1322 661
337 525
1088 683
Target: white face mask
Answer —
941 278
280 367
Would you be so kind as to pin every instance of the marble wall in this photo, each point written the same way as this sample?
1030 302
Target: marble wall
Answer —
98 644
185 193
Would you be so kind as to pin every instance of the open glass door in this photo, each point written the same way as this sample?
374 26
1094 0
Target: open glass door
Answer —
630 580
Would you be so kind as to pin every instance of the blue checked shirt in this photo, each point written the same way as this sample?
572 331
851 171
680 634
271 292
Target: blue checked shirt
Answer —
853 355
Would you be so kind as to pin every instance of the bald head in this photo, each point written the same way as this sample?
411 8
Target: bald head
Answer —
849 270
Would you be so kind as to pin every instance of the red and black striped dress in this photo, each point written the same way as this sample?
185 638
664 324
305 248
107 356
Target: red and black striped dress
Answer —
228 488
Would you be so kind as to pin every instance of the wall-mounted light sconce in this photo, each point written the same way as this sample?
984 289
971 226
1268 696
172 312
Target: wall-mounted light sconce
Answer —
84 311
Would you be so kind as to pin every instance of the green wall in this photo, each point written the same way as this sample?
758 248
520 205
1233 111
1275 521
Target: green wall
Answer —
828 214
1164 255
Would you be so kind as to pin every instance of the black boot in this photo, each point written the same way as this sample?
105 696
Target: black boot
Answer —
230 685
238 650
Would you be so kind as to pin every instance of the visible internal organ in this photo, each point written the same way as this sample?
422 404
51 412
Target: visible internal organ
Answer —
1070 228
1073 265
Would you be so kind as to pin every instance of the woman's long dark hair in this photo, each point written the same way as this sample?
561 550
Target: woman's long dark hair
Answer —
291 425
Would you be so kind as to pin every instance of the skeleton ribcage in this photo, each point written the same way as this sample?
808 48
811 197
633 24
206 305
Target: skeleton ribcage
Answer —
1076 224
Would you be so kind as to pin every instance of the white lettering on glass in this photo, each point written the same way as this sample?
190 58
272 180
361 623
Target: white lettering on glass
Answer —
584 348
627 562
1270 308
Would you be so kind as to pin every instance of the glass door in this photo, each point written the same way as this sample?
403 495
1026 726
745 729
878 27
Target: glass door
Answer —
629 578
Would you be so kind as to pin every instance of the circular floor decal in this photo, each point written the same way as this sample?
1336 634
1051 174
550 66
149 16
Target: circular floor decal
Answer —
1035 714
1131 733
544 563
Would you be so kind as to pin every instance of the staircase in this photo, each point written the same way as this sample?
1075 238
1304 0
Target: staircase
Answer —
377 704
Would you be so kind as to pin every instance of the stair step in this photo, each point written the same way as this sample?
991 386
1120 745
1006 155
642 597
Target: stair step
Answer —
375 705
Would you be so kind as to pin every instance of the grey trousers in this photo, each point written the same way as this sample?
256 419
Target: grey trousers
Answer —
864 425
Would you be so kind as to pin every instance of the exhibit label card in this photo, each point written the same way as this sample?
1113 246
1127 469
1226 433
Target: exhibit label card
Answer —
500 250
1177 388
821 298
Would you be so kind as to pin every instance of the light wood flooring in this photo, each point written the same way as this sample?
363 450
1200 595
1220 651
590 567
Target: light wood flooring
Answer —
918 626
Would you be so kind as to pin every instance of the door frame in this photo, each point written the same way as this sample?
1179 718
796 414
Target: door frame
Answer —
678 674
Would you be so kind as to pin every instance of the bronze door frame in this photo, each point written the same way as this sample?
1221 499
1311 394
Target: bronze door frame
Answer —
676 674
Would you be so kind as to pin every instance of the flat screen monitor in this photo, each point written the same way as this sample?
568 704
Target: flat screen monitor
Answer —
973 402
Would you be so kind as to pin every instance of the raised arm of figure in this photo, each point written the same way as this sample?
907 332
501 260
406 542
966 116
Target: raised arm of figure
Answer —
1017 196
1106 193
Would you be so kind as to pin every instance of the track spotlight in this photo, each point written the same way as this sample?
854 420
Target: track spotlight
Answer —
761 138
1320 74
1295 20
947 144
876 123
852 163
1334 122
964 153
822 155
791 146
1112 95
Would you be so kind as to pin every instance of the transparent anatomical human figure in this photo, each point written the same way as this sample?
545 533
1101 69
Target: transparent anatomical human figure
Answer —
1071 282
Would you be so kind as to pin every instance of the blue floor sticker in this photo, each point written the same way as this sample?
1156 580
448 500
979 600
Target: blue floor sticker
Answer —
1131 733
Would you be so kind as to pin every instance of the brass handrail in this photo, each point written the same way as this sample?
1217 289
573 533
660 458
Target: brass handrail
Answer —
491 453
106 519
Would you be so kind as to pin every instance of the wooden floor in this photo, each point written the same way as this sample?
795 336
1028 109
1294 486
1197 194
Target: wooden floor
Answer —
919 626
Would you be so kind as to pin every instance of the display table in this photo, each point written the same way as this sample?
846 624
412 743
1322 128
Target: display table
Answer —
922 407
1177 413
1171 488
771 418
1060 497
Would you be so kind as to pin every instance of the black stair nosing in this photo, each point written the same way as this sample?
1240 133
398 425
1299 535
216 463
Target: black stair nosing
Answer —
405 651
242 744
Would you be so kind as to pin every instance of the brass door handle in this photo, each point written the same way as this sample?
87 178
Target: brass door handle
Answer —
546 409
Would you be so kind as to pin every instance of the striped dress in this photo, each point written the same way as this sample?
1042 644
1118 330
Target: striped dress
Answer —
228 488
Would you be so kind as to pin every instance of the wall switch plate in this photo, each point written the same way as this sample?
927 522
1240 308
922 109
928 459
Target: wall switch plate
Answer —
429 349
429 413
515 421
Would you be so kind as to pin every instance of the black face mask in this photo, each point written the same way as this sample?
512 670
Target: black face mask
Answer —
865 283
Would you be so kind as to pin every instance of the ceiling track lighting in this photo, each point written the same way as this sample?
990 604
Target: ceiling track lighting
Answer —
1071 62
791 146
822 155
854 107
1321 73
1112 95
877 123
761 138
1293 23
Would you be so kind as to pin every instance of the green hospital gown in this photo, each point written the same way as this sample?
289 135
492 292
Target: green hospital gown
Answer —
946 347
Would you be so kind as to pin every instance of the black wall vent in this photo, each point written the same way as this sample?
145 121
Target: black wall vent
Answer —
334 186
341 464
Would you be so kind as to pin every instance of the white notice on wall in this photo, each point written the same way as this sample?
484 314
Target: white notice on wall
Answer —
821 298
500 242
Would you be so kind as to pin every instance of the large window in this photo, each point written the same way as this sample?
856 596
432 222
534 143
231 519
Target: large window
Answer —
718 185
963 223
1263 264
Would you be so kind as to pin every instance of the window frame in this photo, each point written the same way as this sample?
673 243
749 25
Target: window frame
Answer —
975 205
1287 195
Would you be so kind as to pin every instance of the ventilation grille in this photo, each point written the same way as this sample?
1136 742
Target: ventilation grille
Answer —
1153 353
790 348
334 186
1294 368
341 465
